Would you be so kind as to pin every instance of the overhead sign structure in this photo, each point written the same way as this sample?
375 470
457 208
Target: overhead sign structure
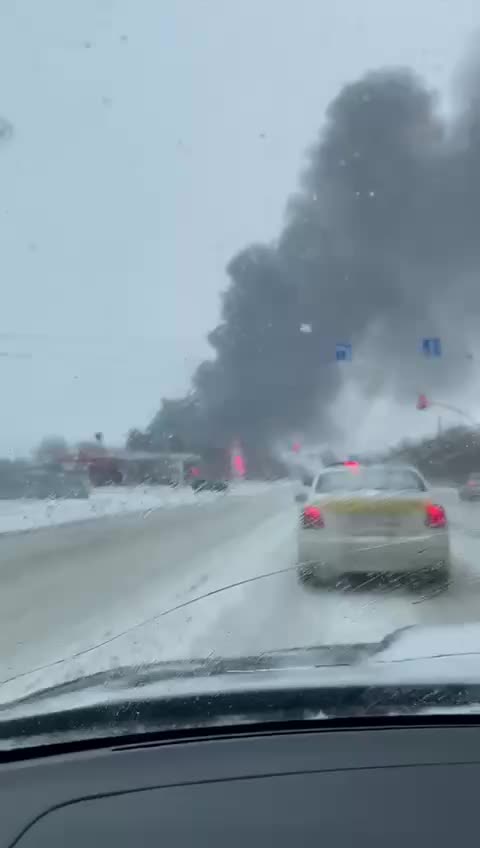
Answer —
432 347
343 352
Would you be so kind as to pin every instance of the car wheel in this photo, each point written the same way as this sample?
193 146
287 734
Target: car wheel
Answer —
443 576
305 574
438 578
310 574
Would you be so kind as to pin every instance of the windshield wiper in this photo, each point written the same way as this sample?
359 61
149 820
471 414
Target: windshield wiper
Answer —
131 677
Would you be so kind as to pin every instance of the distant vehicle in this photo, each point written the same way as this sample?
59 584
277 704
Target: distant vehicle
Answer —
377 518
307 477
201 485
349 463
470 491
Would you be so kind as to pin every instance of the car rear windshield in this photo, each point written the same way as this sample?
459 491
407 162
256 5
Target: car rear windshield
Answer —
356 479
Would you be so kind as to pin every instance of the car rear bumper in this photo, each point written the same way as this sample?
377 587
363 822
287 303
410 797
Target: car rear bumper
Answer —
373 554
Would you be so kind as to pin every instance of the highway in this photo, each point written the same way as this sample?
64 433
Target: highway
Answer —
212 578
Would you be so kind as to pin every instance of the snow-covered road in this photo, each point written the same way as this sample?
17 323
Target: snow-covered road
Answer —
212 577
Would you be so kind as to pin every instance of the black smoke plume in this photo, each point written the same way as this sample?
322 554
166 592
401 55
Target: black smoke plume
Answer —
381 246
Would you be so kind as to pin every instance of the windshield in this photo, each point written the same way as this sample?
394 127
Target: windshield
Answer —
240 262
356 479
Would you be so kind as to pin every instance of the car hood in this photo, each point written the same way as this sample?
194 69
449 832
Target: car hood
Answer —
411 656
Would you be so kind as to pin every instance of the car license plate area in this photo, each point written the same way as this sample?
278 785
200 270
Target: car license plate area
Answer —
372 524
377 518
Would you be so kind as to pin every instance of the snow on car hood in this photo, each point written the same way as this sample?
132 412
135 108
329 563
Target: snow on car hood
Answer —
447 653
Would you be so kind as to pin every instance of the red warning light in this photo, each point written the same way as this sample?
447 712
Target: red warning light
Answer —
239 464
296 447
237 460
422 402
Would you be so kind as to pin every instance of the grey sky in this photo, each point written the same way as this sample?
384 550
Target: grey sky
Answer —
152 140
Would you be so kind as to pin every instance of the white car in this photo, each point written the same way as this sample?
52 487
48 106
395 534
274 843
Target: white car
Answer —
377 518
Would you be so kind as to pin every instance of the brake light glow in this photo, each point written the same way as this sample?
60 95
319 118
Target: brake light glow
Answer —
351 464
436 516
312 518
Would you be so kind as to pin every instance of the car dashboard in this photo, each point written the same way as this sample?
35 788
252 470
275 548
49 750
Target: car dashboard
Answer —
397 782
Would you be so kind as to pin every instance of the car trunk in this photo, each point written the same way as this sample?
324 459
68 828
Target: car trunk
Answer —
375 514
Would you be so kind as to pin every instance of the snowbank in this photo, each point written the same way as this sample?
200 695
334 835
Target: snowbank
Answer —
18 515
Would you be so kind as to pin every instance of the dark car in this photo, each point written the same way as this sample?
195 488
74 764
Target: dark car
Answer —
201 485
470 491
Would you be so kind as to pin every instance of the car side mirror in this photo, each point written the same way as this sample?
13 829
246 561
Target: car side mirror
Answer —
301 498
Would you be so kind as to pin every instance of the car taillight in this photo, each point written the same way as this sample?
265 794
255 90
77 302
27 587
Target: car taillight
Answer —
312 517
436 516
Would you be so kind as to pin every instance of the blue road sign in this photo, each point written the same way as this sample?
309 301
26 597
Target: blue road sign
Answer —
431 347
343 352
